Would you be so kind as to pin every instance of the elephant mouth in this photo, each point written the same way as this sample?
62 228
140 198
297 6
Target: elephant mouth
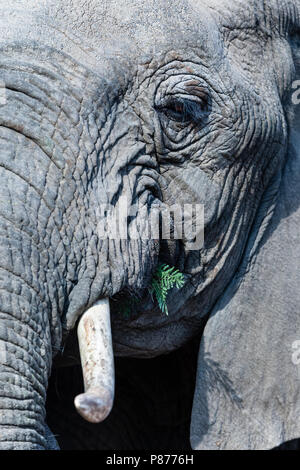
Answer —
97 362
136 316
96 352
94 332
97 359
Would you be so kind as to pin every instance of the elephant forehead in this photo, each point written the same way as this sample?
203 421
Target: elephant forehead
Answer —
131 28
162 16
89 29
147 23
144 20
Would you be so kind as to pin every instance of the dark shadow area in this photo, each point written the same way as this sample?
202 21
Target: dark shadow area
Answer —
290 445
152 408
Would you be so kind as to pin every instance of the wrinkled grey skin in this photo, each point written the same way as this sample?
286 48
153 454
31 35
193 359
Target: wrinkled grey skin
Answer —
86 121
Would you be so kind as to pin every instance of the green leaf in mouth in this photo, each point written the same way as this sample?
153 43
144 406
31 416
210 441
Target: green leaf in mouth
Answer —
164 279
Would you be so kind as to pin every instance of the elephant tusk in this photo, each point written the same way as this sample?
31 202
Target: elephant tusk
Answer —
97 361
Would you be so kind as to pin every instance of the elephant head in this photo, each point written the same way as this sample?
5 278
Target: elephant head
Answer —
156 103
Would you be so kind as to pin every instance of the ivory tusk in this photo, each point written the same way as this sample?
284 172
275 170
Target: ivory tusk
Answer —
97 361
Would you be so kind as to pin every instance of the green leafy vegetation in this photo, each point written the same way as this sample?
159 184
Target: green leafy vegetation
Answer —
164 279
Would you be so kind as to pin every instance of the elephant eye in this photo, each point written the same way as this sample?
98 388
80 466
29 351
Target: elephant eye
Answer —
183 110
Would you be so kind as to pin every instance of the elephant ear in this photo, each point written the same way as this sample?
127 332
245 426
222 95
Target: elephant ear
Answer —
247 392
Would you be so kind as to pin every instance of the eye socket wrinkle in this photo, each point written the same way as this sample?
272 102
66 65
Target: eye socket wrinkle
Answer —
183 110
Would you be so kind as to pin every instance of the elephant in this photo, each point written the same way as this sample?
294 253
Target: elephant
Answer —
158 103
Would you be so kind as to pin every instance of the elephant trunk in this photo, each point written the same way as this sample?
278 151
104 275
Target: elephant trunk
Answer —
29 298
25 362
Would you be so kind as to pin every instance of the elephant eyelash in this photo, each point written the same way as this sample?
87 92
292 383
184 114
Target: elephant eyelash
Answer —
183 110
